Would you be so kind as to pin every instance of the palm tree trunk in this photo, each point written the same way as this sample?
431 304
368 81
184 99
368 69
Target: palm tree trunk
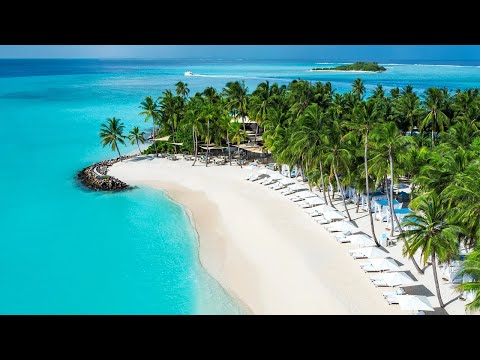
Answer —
390 202
420 271
395 218
229 152
120 156
368 191
432 136
208 141
358 202
195 145
341 190
140 151
239 157
437 286
153 139
328 193
322 181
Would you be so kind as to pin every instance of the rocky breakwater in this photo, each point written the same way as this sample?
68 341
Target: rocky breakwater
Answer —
96 176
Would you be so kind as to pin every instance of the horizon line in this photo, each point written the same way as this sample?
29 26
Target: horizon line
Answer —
217 58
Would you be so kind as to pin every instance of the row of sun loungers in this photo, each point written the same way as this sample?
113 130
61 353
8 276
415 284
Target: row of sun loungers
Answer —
375 258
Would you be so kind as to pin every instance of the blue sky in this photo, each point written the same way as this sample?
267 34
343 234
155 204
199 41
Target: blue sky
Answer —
321 52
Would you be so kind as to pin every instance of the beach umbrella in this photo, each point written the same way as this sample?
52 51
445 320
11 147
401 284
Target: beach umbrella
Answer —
414 303
383 264
361 240
400 278
369 252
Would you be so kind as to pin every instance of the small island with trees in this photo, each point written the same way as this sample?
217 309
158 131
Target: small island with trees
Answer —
358 66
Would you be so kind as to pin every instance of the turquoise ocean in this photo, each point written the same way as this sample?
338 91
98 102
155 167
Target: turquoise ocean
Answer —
66 250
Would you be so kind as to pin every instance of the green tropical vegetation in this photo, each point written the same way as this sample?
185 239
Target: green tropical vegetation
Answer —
136 136
357 66
111 134
365 140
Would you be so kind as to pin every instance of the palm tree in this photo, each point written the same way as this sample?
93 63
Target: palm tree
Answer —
310 139
464 101
471 267
236 94
441 167
211 95
389 142
365 116
301 94
182 89
194 119
339 155
407 108
464 195
112 134
208 115
434 104
358 89
395 93
430 231
378 92
150 110
471 117
262 99
171 109
136 136
224 122
237 135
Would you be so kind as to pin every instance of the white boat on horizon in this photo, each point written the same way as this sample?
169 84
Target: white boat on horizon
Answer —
188 73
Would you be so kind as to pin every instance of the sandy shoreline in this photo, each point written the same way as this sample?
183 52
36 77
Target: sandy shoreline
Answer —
261 247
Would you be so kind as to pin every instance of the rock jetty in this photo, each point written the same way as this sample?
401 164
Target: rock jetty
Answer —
96 177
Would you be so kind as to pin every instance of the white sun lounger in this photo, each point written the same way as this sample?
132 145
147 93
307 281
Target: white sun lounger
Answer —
392 299
367 252
268 182
392 279
380 265
291 189
395 292
282 183
301 196
321 220
344 226
379 283
371 268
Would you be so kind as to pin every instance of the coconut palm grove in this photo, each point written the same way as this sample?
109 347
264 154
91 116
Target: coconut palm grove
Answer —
358 140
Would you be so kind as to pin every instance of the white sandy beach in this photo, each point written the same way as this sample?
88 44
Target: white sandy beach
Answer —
263 248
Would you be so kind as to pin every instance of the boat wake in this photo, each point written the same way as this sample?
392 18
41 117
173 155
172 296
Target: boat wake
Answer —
226 76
